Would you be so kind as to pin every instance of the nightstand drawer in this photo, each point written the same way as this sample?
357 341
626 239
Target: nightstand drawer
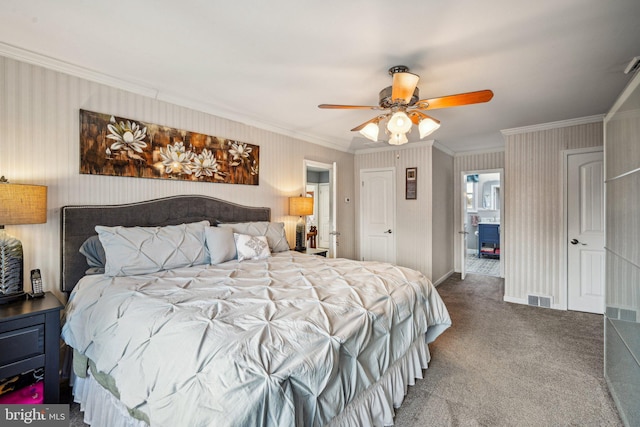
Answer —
21 344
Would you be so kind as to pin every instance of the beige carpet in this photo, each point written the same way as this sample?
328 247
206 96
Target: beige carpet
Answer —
503 364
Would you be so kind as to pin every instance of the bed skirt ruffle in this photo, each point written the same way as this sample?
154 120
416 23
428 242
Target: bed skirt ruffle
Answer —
375 407
100 407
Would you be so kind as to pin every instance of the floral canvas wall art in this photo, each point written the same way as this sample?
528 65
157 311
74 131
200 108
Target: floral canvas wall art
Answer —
118 146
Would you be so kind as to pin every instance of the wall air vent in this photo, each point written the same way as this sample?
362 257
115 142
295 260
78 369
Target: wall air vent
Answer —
539 301
633 66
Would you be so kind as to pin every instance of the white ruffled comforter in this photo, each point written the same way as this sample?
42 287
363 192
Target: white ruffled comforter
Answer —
289 340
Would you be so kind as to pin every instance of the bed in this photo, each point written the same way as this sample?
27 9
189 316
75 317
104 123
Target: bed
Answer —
174 330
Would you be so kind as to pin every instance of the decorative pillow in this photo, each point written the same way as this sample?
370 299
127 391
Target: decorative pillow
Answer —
220 244
251 247
94 252
274 232
142 250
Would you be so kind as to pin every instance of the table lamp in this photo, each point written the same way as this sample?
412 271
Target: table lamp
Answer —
300 206
19 204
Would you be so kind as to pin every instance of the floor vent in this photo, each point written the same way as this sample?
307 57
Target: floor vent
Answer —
539 301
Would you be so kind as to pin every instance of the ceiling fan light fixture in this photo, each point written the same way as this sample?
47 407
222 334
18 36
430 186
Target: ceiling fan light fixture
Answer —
399 123
427 126
398 139
371 131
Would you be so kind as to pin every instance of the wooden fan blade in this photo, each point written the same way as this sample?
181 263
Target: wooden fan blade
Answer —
455 100
374 120
416 116
350 107
403 86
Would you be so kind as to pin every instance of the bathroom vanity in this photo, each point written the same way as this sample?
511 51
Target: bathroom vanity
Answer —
489 239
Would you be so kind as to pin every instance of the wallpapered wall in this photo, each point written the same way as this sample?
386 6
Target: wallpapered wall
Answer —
532 222
415 218
39 144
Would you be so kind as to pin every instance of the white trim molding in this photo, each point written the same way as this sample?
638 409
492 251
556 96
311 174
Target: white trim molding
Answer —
554 125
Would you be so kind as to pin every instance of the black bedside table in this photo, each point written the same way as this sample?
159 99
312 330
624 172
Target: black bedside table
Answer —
30 339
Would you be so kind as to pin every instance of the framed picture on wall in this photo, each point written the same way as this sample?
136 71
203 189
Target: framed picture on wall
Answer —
411 186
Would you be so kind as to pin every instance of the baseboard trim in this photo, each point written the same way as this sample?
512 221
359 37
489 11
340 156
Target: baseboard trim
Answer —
443 278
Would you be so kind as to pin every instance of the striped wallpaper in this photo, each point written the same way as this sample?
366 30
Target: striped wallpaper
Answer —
533 218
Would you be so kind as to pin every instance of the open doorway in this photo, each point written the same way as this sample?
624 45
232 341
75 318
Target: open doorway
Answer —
321 226
481 214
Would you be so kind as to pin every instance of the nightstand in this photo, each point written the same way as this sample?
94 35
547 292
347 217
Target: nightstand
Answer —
30 339
319 252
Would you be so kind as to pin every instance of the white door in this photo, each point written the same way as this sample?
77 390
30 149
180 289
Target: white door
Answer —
462 233
378 207
585 232
324 215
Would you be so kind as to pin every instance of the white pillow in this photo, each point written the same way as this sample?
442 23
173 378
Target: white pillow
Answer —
251 247
142 250
274 232
220 244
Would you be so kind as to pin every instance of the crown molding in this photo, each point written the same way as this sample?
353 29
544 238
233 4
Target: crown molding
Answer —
48 62
37 59
479 152
444 149
388 147
554 125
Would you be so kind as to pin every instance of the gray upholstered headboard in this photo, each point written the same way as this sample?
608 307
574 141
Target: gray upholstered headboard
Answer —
78 223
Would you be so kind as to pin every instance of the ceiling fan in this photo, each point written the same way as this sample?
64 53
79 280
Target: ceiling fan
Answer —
402 100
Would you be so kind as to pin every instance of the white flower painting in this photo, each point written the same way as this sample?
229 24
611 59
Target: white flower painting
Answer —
117 146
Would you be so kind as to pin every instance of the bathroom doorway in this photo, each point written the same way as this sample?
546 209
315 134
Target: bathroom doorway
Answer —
481 228
320 184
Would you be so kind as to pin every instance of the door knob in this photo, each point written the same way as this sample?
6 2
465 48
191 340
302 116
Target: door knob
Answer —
576 241
388 231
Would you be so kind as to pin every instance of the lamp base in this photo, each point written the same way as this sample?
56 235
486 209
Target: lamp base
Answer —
300 240
11 287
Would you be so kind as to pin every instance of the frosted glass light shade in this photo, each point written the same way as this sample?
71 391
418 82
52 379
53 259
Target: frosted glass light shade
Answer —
398 139
427 126
399 123
371 131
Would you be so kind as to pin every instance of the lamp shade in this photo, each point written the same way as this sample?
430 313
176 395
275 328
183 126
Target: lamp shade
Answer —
23 204
300 206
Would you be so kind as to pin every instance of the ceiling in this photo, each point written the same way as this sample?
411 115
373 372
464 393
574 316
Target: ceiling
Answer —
269 64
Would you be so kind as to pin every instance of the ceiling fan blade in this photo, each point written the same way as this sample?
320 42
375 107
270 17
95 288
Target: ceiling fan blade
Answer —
416 116
403 86
376 119
455 100
350 107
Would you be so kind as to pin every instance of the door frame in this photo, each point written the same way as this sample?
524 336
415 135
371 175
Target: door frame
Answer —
564 264
391 169
463 213
333 182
